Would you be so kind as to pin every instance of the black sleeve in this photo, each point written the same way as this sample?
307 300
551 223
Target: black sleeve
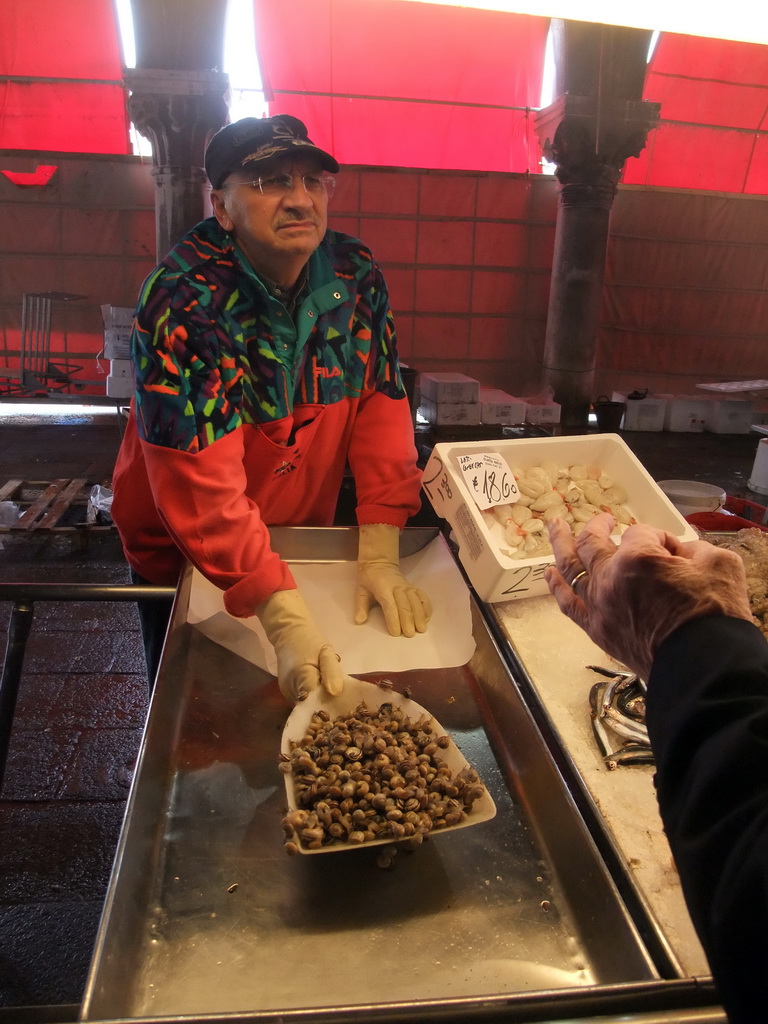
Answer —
707 717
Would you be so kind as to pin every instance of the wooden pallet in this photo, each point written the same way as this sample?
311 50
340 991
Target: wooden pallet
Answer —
46 505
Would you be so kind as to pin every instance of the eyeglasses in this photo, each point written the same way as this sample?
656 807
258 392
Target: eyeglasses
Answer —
283 184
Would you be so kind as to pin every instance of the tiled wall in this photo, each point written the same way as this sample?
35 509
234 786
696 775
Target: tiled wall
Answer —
686 291
467 257
89 233
467 260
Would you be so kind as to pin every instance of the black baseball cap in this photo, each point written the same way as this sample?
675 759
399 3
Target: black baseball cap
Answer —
254 140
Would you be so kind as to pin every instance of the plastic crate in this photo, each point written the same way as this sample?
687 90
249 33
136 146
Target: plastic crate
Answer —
738 514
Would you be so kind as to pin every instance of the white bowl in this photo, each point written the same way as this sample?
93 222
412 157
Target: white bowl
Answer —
689 496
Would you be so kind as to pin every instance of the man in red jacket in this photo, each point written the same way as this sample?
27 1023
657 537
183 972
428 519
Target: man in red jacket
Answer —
265 361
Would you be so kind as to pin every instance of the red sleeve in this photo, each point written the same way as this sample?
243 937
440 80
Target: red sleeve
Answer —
382 456
201 500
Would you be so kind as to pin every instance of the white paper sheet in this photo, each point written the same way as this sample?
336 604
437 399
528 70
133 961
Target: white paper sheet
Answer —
329 589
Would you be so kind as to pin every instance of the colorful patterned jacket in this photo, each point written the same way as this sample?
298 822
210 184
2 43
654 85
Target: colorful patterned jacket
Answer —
243 418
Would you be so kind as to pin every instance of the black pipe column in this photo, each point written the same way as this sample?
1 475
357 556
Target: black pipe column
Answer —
597 122
581 236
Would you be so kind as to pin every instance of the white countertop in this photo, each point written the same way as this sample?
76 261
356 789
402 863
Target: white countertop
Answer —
555 653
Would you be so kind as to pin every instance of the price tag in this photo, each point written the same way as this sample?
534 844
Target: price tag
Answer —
488 479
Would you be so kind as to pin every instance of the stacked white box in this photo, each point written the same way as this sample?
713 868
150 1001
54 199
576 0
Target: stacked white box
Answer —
449 388
122 368
686 414
730 416
119 387
497 577
542 412
117 343
498 407
120 379
449 398
642 413
117 316
446 413
118 324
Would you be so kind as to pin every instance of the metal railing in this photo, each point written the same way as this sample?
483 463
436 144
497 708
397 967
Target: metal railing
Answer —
36 372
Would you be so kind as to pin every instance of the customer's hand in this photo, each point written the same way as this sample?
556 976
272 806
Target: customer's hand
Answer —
406 608
305 659
629 598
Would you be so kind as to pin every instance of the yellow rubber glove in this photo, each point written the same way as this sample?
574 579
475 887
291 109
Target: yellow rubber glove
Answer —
305 659
407 609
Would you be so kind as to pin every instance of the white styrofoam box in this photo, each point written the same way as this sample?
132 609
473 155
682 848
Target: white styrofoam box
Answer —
445 413
548 412
497 577
121 368
449 387
498 407
117 343
642 413
119 386
686 414
117 316
730 416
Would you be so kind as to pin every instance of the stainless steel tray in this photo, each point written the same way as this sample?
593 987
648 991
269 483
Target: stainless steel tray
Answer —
206 914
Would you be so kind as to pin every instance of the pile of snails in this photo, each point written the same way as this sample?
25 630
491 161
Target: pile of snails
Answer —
373 775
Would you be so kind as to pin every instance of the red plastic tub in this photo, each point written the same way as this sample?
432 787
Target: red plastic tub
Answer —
737 514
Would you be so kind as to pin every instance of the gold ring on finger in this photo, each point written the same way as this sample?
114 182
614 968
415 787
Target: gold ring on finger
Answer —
579 576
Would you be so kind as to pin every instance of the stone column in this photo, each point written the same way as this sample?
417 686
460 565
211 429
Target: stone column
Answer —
588 138
178 111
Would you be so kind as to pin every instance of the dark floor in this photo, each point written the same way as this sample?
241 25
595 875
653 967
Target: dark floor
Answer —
77 727
83 701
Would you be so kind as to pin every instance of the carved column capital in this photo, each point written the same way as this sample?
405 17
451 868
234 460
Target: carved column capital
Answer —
589 140
177 111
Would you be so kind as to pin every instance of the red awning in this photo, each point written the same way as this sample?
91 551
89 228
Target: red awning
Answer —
714 107
394 83
62 72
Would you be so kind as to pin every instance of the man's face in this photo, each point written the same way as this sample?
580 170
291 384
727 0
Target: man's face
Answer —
278 231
